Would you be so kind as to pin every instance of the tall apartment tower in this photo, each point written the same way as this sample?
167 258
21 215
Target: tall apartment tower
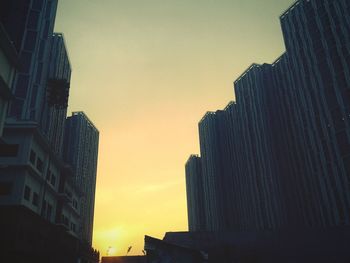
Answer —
57 93
316 35
217 179
282 150
38 191
254 154
195 194
80 151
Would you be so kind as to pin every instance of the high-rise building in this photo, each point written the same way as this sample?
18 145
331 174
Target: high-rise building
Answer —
215 171
254 153
40 197
81 151
195 194
316 35
57 93
280 153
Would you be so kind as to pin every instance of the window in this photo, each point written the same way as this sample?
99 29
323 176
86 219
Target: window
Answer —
346 162
72 227
34 98
48 9
53 179
35 199
41 49
26 60
38 73
16 107
30 42
22 86
49 211
27 193
43 208
65 220
32 157
39 165
5 188
48 176
37 4
75 203
9 150
46 29
343 143
33 19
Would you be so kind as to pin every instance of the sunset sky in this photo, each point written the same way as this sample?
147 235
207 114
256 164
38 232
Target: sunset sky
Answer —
145 72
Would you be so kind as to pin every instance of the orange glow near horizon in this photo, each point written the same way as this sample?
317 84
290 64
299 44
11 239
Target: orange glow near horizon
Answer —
145 72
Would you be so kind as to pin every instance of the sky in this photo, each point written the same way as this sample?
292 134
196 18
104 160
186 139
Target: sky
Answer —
145 72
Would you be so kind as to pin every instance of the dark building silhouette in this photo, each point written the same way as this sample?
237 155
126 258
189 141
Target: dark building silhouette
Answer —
255 158
162 251
279 156
57 93
195 194
317 43
42 204
302 246
81 151
215 172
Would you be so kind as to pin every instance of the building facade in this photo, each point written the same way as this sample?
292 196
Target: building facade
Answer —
195 194
215 170
316 35
35 181
57 93
32 176
30 26
280 153
81 152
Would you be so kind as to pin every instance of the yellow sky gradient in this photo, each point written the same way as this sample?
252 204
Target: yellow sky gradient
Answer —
145 72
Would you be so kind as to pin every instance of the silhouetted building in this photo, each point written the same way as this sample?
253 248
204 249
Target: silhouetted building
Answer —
57 93
195 194
38 190
159 251
253 157
317 54
279 156
28 237
303 245
81 151
216 176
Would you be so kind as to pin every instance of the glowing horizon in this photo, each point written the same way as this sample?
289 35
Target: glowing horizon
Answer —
145 72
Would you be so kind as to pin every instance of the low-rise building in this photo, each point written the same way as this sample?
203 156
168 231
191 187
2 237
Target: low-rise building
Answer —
32 176
38 193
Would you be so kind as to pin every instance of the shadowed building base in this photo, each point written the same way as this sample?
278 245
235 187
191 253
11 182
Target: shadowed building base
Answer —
26 237
287 246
